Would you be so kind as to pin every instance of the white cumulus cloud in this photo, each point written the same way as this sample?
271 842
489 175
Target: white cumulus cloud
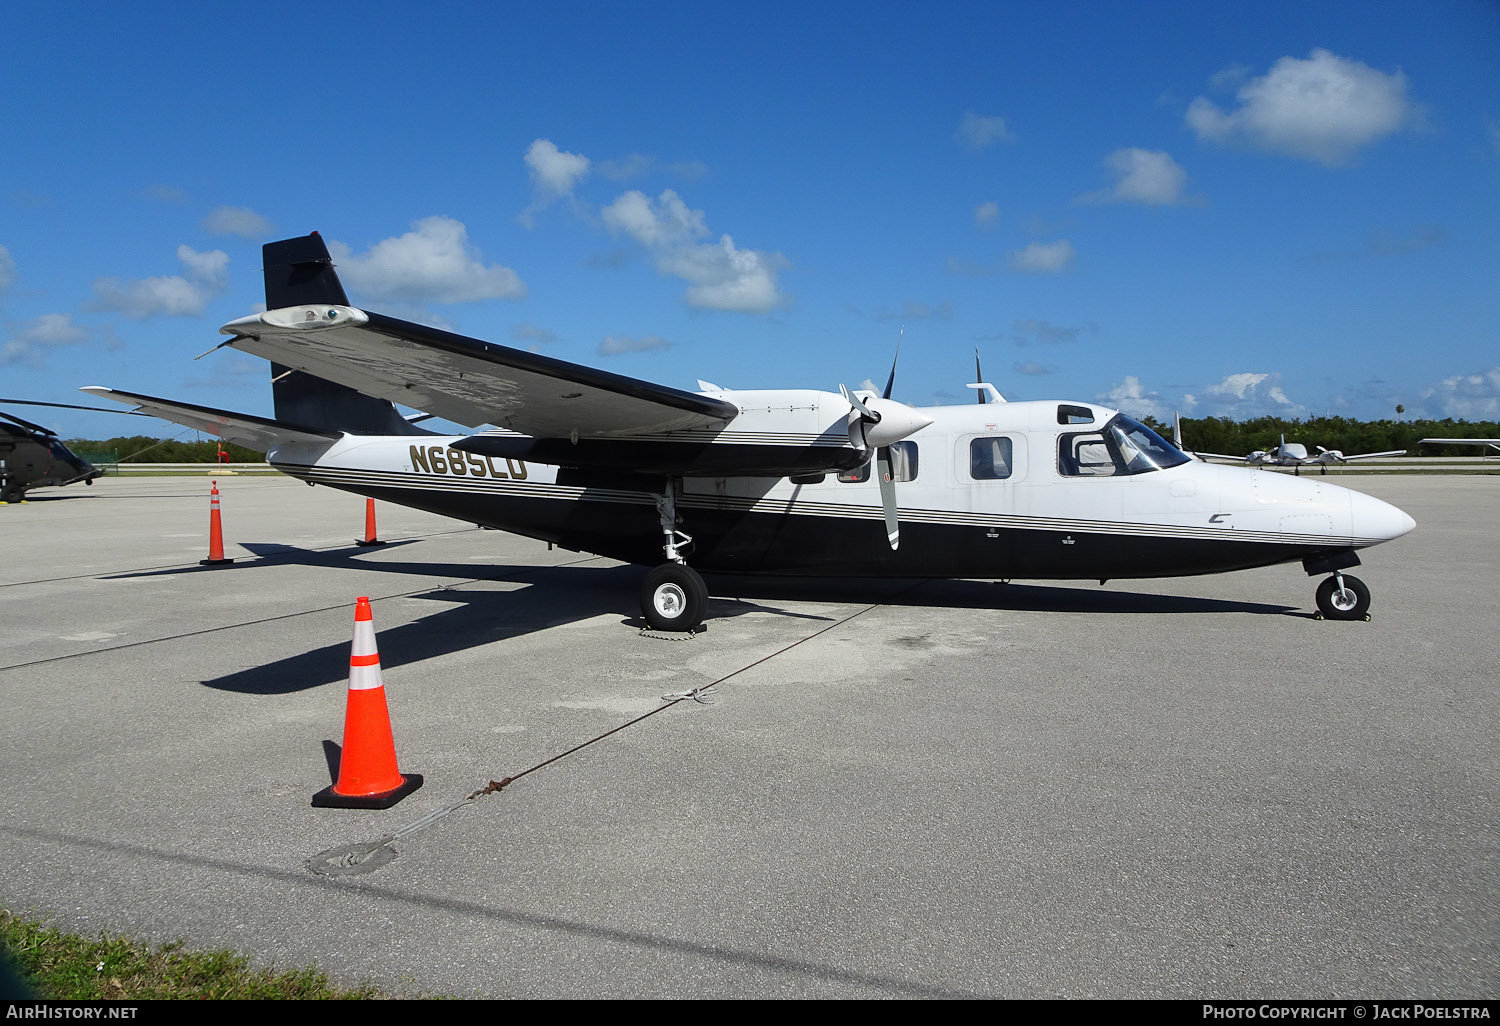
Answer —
614 345
241 221
720 275
1250 394
1468 396
1324 108
1130 397
168 295
28 345
554 172
981 131
1237 385
1042 257
1149 177
656 224
432 263
1032 329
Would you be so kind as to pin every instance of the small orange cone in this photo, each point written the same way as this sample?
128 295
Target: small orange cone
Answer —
369 538
368 778
215 532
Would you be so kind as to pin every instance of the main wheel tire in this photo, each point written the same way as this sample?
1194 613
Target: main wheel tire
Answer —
12 493
674 598
1352 602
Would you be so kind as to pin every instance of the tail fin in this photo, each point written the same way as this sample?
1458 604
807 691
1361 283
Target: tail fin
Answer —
299 272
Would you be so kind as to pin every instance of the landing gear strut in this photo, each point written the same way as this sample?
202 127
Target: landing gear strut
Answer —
673 596
1343 597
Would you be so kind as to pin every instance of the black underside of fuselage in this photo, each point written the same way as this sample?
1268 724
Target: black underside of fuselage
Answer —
736 541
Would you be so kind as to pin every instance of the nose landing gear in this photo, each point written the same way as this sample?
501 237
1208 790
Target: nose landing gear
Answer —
1343 597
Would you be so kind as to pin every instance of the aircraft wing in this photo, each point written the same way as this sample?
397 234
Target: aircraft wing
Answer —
1219 457
1375 455
243 428
1461 441
469 381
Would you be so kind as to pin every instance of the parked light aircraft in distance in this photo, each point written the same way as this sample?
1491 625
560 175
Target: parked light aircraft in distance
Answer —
1287 454
792 481
1492 443
32 456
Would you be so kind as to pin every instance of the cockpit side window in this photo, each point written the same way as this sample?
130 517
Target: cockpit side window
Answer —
1086 454
903 465
1124 448
858 474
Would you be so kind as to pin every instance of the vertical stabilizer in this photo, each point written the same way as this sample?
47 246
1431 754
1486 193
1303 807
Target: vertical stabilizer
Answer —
299 272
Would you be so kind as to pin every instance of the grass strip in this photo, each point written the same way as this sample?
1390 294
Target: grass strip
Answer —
58 966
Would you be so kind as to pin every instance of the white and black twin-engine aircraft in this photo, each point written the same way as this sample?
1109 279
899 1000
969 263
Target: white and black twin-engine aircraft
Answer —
767 481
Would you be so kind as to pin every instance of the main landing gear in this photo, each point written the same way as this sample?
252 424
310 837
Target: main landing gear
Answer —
1343 597
673 596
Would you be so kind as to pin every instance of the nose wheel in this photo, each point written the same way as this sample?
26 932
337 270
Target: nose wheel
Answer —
1342 597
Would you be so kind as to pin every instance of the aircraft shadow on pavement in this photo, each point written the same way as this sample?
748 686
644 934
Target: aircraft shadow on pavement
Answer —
559 595
949 594
471 618
275 554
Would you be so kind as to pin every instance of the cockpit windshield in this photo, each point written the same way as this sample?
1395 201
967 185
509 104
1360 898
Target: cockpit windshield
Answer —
1124 447
1143 449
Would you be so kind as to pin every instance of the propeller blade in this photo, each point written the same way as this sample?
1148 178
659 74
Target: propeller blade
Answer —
978 376
890 382
855 401
888 496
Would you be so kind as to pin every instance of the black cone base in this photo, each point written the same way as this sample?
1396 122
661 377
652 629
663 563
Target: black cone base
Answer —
329 799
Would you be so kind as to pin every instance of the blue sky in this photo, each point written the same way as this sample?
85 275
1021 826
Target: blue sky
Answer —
1223 209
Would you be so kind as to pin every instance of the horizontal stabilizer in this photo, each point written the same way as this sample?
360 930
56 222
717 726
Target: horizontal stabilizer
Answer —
241 428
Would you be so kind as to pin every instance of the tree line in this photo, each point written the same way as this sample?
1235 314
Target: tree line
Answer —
1238 438
145 449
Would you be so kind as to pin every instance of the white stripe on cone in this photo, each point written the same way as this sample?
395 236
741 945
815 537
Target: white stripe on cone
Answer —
364 678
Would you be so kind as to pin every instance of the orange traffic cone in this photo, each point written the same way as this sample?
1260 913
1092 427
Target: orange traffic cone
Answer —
368 778
215 532
369 538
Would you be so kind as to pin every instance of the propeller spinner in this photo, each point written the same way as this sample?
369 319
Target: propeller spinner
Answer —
878 423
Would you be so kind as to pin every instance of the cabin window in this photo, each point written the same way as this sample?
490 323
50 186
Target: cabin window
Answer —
1075 415
903 461
990 458
858 474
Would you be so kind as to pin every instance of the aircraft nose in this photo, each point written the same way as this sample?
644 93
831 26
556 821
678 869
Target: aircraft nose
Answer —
1375 520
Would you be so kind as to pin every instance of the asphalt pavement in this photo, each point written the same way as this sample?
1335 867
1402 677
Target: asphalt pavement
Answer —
1178 788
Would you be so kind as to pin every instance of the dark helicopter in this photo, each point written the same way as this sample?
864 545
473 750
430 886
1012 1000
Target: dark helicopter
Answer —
32 456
